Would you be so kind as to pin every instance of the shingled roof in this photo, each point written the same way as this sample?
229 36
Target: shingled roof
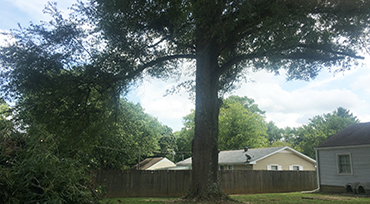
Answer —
239 156
352 135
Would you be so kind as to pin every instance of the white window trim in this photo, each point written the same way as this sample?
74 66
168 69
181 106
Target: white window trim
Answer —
291 167
350 163
269 167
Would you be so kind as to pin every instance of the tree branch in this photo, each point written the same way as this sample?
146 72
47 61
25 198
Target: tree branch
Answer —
294 56
157 61
330 51
225 67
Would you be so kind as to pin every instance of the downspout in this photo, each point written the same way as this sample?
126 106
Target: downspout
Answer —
318 174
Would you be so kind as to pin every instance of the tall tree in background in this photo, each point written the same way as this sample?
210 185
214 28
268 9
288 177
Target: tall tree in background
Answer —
224 37
134 129
241 124
321 127
185 136
274 133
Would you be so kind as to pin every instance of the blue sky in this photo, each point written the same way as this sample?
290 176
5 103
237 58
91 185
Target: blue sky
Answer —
286 103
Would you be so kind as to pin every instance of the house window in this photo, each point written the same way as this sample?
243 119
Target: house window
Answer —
344 164
225 167
274 167
296 167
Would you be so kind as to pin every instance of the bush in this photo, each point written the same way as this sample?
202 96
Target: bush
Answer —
31 171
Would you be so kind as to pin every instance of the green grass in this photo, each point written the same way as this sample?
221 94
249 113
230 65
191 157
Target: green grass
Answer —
299 198
259 198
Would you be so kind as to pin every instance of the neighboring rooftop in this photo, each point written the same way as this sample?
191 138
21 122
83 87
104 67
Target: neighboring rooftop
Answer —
239 156
148 162
352 135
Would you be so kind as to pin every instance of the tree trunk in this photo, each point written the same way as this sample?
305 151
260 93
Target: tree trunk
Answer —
205 183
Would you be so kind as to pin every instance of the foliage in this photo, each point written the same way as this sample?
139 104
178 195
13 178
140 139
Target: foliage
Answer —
51 75
68 108
184 137
57 74
241 124
322 127
274 133
134 129
32 171
167 143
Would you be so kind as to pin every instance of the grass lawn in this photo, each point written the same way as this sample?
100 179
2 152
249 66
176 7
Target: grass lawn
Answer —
259 198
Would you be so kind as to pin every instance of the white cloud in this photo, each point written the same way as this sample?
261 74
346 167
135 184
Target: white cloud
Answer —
362 83
294 108
26 11
168 109
35 7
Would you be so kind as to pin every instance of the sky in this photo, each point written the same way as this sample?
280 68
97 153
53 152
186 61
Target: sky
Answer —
287 103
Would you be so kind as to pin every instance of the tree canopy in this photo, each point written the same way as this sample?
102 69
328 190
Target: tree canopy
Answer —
226 38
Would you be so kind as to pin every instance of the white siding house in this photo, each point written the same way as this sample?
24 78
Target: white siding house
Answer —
344 160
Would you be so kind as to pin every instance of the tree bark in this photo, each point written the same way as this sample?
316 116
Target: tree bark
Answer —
205 182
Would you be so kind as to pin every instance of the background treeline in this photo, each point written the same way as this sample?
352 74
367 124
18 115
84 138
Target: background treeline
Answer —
242 124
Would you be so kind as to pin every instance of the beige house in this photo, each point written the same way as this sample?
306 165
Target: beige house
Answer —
273 158
156 163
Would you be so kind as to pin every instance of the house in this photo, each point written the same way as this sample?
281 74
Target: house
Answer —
344 160
273 158
156 163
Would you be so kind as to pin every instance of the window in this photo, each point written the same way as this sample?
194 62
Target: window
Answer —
344 164
296 167
274 167
225 167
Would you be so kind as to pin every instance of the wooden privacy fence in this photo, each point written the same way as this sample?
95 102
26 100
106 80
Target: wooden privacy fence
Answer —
176 183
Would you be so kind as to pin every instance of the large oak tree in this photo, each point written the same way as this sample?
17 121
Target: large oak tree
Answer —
226 37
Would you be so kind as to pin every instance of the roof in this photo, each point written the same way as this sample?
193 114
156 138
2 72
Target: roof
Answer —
239 156
147 163
352 135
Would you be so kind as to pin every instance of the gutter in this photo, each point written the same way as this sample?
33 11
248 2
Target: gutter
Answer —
318 174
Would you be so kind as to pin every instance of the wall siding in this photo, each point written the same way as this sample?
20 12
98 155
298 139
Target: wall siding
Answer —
360 158
285 159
